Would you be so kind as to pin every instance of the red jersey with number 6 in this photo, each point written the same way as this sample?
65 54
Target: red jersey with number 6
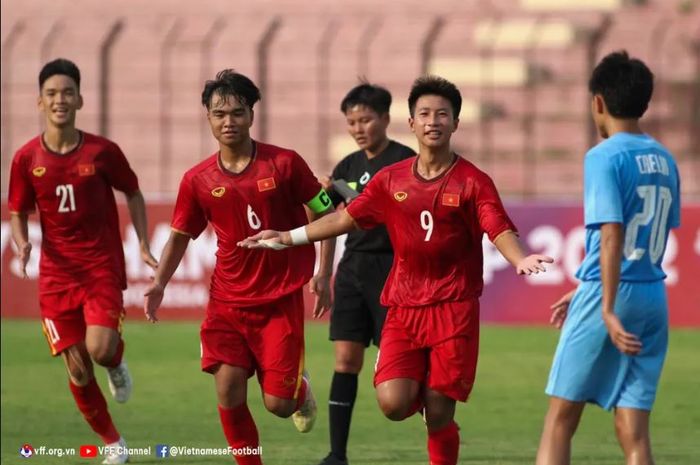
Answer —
77 209
436 228
269 193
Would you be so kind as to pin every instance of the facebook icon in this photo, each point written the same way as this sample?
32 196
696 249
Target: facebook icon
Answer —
162 451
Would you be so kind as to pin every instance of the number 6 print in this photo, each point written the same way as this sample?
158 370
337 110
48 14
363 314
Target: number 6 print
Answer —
253 219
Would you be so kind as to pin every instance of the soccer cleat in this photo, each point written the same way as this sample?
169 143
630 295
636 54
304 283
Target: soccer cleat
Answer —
305 417
332 460
116 453
120 382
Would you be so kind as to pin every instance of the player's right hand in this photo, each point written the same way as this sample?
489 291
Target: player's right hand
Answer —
560 309
23 254
153 298
533 264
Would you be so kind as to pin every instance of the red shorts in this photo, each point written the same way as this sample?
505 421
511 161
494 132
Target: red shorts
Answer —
438 346
66 314
267 339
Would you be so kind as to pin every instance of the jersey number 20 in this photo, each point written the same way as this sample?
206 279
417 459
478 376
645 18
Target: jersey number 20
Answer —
655 208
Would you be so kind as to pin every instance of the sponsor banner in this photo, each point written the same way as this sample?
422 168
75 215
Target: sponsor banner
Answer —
552 229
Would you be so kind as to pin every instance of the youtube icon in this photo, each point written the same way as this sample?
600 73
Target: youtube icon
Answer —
88 451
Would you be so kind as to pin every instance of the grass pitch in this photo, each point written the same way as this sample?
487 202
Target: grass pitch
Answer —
175 404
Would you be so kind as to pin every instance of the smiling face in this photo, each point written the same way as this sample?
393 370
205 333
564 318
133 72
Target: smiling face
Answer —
60 99
433 121
230 120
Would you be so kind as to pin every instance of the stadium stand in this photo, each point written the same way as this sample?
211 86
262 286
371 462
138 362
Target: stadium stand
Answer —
522 66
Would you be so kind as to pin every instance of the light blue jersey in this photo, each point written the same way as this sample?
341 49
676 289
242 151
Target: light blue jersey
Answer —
633 180
630 179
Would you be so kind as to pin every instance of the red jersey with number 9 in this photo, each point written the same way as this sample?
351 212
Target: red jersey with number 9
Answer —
77 210
269 193
436 228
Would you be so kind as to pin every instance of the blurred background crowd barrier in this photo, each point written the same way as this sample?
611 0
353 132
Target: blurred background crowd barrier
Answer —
522 67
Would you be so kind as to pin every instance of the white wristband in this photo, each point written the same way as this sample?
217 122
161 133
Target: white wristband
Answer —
299 236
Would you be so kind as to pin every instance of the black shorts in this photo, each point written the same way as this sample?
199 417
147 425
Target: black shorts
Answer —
356 314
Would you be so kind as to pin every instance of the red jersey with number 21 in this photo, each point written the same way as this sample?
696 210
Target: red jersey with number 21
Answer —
436 228
77 210
269 193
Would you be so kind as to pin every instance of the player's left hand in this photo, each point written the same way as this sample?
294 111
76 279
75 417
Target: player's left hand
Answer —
626 342
533 264
320 286
267 239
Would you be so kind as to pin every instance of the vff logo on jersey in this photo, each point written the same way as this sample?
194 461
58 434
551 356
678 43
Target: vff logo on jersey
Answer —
26 451
400 196
218 192
39 171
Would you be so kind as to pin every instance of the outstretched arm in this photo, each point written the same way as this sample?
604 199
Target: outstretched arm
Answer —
137 211
333 225
172 255
509 246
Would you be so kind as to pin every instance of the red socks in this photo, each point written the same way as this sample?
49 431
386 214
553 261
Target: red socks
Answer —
241 433
301 395
93 406
443 445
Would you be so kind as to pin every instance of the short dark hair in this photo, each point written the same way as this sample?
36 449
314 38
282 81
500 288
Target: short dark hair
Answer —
435 85
229 83
369 95
625 83
59 66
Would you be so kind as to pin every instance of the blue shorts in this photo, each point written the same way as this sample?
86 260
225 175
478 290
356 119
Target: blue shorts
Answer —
587 366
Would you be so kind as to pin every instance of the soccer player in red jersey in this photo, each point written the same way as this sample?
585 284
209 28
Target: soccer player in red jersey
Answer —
436 208
69 174
255 317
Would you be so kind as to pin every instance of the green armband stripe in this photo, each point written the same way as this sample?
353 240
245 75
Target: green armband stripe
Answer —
320 203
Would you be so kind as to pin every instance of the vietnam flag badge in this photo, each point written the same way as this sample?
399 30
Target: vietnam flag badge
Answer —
86 169
266 184
450 200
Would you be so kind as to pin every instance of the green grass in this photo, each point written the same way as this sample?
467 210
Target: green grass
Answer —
174 403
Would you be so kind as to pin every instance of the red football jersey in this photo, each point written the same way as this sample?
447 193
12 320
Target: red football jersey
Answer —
435 226
77 210
269 193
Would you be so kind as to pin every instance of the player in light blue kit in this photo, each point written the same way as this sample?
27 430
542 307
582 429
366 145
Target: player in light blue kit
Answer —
614 339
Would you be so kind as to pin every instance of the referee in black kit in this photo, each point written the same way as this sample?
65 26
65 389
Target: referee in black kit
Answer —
357 317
